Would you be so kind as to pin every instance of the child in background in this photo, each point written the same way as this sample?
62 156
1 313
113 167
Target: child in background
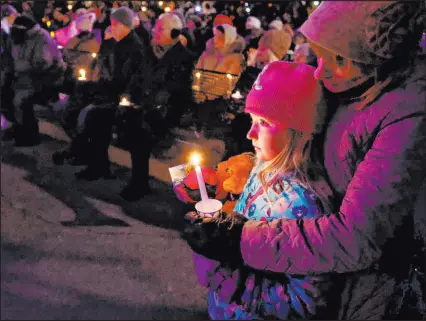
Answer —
286 107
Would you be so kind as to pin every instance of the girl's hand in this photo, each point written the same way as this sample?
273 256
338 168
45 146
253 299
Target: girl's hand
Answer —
216 238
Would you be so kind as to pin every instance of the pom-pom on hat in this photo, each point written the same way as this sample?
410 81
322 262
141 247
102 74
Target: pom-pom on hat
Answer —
368 32
288 93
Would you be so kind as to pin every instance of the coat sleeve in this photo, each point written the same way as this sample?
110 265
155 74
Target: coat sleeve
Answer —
378 199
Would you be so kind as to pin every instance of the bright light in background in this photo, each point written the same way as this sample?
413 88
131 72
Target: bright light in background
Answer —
160 3
167 9
198 8
94 55
143 9
198 75
48 24
195 158
316 3
248 9
69 7
52 34
246 4
229 76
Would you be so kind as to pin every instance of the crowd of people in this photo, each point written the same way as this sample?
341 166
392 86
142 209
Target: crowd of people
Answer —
331 100
83 57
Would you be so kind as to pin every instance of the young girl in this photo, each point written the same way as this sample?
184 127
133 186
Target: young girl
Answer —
286 107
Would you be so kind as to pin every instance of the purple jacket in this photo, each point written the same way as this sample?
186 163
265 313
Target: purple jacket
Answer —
375 159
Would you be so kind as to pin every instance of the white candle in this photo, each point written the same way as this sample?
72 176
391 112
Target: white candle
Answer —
200 178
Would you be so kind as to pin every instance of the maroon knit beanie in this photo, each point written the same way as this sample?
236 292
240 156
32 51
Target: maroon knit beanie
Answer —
288 93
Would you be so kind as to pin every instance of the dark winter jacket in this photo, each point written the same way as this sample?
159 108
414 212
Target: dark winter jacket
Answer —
129 64
169 74
37 61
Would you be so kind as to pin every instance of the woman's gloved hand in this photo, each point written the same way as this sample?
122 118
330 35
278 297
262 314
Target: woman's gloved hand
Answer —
216 238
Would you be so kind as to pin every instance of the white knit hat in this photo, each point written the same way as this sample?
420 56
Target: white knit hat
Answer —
253 23
276 24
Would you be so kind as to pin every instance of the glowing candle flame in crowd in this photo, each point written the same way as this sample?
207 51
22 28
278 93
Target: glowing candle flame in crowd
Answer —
94 55
167 9
198 75
160 3
196 160
52 34
82 74
69 7
124 102
48 24
143 9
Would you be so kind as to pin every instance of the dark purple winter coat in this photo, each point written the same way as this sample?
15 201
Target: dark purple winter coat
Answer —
376 162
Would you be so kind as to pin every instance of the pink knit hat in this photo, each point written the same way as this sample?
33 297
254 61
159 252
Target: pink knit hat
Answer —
288 93
368 32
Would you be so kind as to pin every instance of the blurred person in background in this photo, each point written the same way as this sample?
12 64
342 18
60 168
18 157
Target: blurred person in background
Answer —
79 50
38 66
305 55
8 16
165 93
254 27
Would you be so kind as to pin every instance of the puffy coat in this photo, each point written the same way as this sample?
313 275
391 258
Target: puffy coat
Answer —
228 60
37 61
78 52
375 162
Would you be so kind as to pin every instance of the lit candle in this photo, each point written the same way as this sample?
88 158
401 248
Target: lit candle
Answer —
69 7
197 81
94 55
167 9
229 76
52 34
82 74
48 24
160 3
124 102
143 9
195 159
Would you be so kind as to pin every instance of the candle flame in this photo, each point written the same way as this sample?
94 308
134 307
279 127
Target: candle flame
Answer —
198 75
143 9
167 9
160 3
52 34
82 74
70 7
195 158
124 101
48 24
94 55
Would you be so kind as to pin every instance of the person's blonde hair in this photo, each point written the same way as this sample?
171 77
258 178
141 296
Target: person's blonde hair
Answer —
294 157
